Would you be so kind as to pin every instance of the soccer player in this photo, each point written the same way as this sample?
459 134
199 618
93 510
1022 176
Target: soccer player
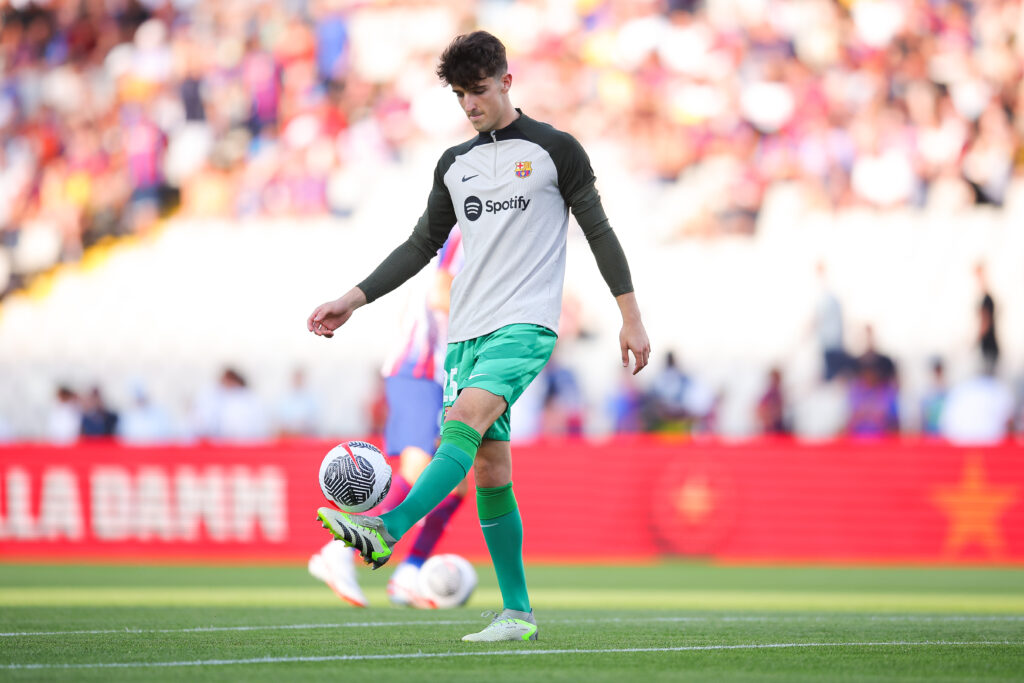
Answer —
413 386
510 189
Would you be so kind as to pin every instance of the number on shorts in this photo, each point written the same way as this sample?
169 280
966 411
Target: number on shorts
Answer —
451 386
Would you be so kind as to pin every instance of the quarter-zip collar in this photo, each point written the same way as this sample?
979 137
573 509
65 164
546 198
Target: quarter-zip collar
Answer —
509 132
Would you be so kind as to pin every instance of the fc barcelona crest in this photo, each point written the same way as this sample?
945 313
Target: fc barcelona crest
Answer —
523 169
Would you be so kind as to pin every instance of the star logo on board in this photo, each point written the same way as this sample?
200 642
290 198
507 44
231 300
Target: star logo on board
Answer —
524 169
695 506
695 499
974 507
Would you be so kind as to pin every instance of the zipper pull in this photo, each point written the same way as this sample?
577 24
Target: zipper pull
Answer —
494 138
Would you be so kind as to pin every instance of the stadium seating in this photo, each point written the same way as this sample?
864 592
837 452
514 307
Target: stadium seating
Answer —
171 309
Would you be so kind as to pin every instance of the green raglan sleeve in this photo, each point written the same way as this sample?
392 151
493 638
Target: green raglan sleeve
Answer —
426 239
577 184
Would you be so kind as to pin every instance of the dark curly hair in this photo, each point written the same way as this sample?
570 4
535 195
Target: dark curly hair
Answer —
470 58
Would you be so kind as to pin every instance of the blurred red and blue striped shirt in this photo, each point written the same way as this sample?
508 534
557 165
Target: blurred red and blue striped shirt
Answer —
425 330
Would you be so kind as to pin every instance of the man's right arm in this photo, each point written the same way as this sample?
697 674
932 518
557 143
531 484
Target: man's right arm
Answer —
406 260
426 240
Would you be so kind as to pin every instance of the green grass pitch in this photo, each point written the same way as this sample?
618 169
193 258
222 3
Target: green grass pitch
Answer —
665 622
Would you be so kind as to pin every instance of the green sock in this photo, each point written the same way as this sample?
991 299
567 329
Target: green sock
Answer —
451 463
503 531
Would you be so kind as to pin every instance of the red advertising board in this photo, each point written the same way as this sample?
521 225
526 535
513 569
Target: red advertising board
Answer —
619 500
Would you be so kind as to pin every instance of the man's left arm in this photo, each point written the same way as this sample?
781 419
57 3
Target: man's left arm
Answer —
577 184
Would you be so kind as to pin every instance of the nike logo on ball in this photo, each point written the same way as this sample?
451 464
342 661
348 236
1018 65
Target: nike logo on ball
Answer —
469 177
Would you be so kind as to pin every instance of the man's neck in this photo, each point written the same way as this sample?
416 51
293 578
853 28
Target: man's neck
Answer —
507 120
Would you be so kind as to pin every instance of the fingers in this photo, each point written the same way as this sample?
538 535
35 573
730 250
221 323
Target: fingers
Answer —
315 323
639 346
641 362
642 357
322 330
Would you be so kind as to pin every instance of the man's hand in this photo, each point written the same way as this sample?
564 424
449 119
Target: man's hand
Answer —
330 316
633 336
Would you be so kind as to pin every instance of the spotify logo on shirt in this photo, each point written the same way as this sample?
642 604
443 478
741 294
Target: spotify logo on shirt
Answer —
473 207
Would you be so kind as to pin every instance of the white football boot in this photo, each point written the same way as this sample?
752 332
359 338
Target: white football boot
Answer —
509 625
403 588
402 584
334 566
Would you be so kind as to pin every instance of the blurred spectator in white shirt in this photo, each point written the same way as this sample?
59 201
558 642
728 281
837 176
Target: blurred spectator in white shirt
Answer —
144 422
65 421
231 411
978 411
298 410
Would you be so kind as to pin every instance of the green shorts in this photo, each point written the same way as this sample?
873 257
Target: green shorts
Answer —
503 362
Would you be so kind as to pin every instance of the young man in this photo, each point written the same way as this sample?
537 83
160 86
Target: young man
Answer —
510 189
414 385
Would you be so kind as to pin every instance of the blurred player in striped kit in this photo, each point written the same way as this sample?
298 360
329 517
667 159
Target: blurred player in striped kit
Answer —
414 379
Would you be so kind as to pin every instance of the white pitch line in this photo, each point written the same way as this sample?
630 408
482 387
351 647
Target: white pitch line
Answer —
498 653
928 618
204 629
379 624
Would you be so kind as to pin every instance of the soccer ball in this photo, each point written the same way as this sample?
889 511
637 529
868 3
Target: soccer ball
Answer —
446 581
355 476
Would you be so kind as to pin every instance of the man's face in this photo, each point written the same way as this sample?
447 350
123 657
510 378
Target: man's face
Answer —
485 102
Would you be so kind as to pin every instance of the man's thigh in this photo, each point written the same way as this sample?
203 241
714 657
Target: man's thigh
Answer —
502 363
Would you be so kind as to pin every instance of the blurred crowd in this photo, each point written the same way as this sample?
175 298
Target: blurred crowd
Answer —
861 401
114 112
228 410
858 393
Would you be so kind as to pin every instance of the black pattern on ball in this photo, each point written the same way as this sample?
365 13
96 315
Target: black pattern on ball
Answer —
350 480
383 493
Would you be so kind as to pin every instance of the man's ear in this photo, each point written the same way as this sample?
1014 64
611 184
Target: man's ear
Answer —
506 82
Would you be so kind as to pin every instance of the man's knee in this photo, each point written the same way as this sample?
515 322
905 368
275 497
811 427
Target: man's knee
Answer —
477 408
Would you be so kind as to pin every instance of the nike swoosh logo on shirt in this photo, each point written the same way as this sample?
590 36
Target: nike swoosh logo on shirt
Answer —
469 177
486 525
